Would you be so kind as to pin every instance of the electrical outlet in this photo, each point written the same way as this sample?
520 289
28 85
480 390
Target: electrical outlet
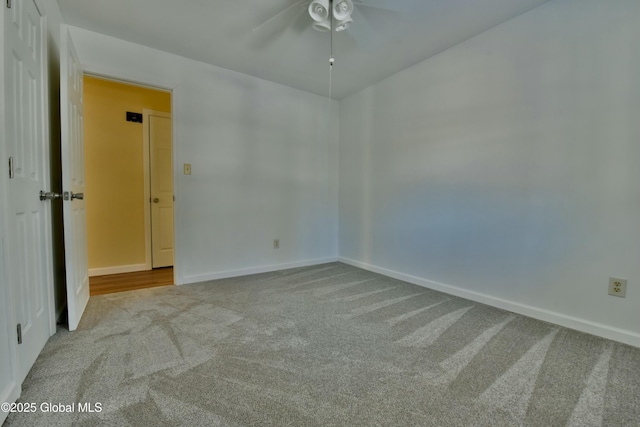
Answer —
617 287
187 168
276 243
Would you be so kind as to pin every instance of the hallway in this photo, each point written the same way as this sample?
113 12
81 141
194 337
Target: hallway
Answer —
113 283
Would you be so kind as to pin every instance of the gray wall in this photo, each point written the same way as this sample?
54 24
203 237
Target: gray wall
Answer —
264 162
505 169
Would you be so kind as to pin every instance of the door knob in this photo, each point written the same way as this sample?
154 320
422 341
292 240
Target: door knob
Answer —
70 195
156 200
49 195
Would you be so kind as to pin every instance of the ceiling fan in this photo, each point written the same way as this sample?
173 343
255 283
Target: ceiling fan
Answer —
323 12
336 15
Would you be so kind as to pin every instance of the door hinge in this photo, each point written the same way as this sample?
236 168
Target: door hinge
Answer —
9 4
11 174
19 329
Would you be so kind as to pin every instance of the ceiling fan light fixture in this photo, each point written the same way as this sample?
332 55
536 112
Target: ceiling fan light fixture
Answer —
344 24
319 10
323 26
342 9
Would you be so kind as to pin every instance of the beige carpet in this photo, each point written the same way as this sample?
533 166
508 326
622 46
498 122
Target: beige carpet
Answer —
328 345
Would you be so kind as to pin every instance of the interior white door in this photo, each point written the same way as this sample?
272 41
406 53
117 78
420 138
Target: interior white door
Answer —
29 248
161 170
73 182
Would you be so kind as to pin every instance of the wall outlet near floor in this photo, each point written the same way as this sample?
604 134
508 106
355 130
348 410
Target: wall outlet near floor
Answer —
276 243
617 287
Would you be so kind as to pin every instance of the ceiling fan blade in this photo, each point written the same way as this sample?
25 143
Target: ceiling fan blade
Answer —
362 31
404 6
281 19
298 24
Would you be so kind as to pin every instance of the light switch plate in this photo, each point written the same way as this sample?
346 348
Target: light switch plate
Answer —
187 168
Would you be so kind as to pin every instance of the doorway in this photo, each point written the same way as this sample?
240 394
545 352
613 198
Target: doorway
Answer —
129 170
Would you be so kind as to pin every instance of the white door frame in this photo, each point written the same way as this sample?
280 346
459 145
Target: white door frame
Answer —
47 155
146 146
107 73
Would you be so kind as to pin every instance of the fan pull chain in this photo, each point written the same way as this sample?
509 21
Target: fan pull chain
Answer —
331 58
330 82
331 62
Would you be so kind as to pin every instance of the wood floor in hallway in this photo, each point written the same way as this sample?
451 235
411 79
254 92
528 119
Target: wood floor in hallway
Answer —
100 285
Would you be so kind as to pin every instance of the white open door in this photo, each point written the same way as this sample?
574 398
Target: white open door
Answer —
73 184
28 249
161 178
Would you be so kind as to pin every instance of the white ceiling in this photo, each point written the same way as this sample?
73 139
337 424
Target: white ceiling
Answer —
219 32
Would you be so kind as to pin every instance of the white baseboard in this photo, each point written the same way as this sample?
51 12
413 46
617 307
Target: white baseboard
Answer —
254 270
593 328
117 269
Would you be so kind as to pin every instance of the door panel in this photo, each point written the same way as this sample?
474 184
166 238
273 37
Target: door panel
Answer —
29 244
161 170
72 148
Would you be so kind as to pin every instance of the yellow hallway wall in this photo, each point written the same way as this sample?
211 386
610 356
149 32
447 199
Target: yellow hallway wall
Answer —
114 170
